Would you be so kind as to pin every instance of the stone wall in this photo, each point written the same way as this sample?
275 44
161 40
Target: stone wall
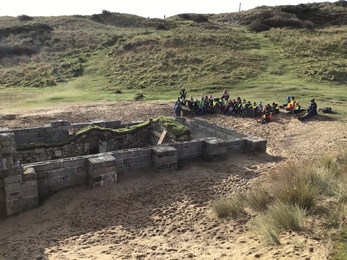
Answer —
56 175
52 153
236 142
141 138
18 189
55 132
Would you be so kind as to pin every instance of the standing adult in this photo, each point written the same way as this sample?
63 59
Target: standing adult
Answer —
183 93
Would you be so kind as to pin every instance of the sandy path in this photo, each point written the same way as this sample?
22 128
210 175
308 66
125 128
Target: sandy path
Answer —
152 215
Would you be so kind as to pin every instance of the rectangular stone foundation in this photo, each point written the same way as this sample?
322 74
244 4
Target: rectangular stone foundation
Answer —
102 170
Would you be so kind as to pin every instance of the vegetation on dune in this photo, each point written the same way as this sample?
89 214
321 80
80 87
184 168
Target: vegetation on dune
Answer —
290 196
110 56
45 51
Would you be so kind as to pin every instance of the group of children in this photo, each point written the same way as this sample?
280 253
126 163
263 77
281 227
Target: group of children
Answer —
235 107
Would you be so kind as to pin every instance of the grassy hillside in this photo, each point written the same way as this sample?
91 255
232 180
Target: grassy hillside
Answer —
109 56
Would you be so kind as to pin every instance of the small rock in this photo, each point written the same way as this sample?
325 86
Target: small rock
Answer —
311 249
257 255
118 92
8 117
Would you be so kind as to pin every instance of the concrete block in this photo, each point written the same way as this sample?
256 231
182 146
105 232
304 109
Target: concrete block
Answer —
255 144
16 206
164 160
98 172
80 169
133 160
214 149
2 197
124 168
14 187
142 165
43 183
164 151
14 195
52 165
101 161
104 180
12 179
55 181
61 172
30 193
161 167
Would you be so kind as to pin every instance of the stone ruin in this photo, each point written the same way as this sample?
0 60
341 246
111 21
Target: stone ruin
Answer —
37 162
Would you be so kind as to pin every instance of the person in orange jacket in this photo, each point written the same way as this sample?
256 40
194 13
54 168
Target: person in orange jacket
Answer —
267 117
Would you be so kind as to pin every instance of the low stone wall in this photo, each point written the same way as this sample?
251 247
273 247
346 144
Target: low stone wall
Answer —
237 142
56 175
52 153
141 138
106 140
56 132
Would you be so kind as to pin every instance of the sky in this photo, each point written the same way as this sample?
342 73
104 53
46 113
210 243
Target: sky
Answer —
145 8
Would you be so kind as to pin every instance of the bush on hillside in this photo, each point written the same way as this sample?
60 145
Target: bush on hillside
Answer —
161 26
185 16
200 19
258 27
24 17
279 22
105 12
308 24
39 27
7 51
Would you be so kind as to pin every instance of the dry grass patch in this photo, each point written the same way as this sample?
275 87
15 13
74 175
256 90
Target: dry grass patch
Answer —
295 190
232 207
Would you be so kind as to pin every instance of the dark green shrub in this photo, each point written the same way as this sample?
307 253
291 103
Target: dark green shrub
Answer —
258 27
24 17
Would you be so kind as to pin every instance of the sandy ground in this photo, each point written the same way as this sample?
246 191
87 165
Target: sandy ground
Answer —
150 215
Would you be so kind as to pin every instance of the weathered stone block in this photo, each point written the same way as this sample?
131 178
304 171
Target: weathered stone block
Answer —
13 187
53 165
16 206
133 160
98 172
164 151
255 144
124 168
164 160
101 161
215 149
13 179
30 193
81 169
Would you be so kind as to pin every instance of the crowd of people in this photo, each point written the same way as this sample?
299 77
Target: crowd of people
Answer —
240 107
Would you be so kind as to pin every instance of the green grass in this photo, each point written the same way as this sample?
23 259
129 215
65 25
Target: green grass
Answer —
84 60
